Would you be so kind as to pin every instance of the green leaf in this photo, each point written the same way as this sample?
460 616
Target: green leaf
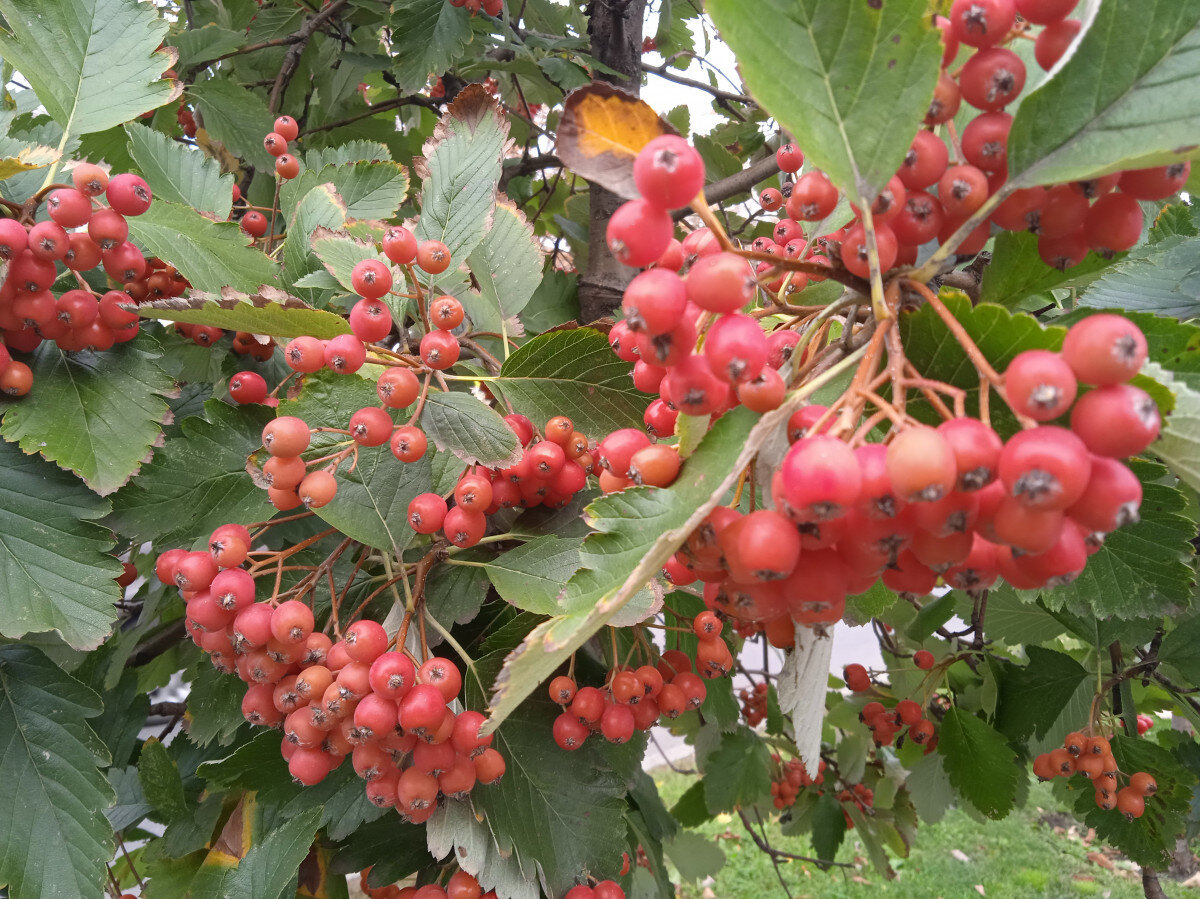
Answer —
1178 443
207 42
320 207
268 311
96 414
828 827
531 576
371 504
979 763
695 857
179 173
507 263
461 170
1149 840
54 560
690 809
471 430
455 831
371 190
198 480
1017 271
92 63
1032 697
1143 569
161 784
929 788
1181 649
860 76
236 117
547 828
999 334
51 788
577 373
214 707
555 302
346 154
339 253
1127 97
1015 621
737 772
270 866
428 38
211 255
1163 278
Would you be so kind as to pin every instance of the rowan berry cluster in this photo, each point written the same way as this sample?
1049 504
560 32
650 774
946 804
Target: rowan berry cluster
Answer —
459 885
929 199
1092 756
86 228
351 697
791 778
638 698
954 502
754 703
886 724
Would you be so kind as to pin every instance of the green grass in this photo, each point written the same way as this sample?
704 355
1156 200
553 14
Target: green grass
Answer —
1016 858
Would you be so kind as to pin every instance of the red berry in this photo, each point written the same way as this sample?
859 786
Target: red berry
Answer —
1113 224
813 198
1040 384
286 127
439 350
1054 41
287 166
985 141
992 78
1151 184
1105 349
982 23
275 144
923 659
639 232
668 172
345 354
925 162
255 223
433 256
248 387
371 278
1045 468
400 245
128 194
1119 420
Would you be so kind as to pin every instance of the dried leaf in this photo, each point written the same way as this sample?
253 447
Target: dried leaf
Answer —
601 132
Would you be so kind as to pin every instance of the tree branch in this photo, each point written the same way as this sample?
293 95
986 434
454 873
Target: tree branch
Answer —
291 59
527 166
410 100
728 96
738 182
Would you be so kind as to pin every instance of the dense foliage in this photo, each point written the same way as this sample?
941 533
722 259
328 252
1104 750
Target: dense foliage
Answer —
363 506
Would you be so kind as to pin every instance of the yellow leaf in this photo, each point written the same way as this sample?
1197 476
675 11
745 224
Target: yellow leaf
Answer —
601 132
26 160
